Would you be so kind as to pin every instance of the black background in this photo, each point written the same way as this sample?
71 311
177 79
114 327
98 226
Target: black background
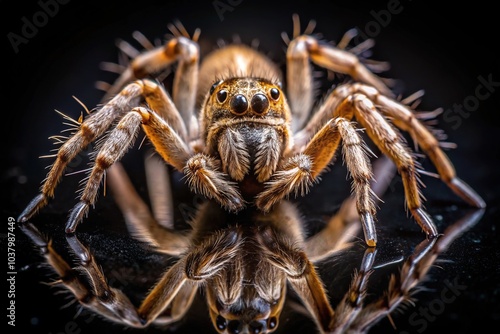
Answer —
442 50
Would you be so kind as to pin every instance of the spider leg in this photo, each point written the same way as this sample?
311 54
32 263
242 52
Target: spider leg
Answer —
159 190
363 99
390 143
304 48
96 124
301 169
204 177
402 287
384 136
282 251
86 282
137 214
166 141
141 224
179 49
93 127
185 52
406 120
202 263
343 226
157 230
352 303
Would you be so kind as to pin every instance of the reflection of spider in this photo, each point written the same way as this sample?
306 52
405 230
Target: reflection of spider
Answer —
252 146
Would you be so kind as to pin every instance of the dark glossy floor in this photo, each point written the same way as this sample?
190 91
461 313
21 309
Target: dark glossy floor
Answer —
440 52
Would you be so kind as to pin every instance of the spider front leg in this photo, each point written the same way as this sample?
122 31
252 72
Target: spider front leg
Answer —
92 128
166 141
359 100
342 228
300 170
390 143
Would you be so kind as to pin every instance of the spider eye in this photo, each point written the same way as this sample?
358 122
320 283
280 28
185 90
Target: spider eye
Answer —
239 104
273 322
235 327
259 103
256 327
221 323
275 93
212 89
222 95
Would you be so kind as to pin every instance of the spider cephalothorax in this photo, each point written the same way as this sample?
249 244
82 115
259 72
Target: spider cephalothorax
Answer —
246 124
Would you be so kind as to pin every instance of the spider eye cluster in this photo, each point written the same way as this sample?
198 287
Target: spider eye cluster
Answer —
254 327
239 103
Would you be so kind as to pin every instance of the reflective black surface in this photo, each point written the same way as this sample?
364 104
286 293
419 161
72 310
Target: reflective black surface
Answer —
445 53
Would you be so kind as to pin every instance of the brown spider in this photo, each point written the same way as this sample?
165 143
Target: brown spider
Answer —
245 144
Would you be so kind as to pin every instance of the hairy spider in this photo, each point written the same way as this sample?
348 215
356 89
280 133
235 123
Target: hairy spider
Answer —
246 145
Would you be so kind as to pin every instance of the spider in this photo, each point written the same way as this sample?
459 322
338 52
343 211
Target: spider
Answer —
245 145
